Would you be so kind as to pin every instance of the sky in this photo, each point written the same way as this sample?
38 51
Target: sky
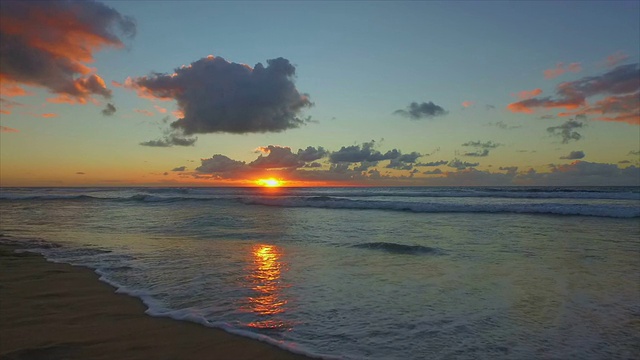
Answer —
327 93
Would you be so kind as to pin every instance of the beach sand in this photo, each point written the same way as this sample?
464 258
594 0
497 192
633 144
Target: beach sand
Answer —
59 311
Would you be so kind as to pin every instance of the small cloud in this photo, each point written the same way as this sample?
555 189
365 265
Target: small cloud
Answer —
615 59
561 69
574 155
624 162
160 109
109 110
165 173
461 165
490 107
5 129
144 112
433 163
566 131
479 153
170 140
49 115
466 104
180 168
433 172
504 126
482 148
417 111
634 152
79 173
527 94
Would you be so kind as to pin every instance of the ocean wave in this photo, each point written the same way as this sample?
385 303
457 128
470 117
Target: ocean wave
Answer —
397 248
615 211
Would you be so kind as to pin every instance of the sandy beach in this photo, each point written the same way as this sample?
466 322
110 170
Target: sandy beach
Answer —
58 311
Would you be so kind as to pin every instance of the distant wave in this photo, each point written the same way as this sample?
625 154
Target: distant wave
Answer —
614 211
396 248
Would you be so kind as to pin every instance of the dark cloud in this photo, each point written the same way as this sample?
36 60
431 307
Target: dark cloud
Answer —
180 168
509 169
621 86
489 107
404 161
54 54
433 163
574 155
312 154
634 152
482 145
220 164
109 110
80 173
624 162
313 165
220 96
170 140
366 152
566 131
479 153
417 111
277 157
547 117
461 165
433 172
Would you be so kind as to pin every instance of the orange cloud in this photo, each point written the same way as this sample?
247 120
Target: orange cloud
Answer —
467 103
525 94
5 129
561 69
160 109
49 44
9 88
49 115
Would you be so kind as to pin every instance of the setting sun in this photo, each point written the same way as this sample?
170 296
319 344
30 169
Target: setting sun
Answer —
271 182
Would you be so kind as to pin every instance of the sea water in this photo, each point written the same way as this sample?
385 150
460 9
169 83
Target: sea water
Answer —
362 273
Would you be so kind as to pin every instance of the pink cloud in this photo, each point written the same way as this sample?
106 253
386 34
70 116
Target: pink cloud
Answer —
160 109
616 58
144 112
467 103
526 94
6 129
561 69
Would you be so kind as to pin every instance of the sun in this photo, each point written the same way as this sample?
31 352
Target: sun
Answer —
271 182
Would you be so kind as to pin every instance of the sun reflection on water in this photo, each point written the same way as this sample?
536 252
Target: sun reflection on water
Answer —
265 280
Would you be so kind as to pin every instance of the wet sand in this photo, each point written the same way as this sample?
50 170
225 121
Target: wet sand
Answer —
58 311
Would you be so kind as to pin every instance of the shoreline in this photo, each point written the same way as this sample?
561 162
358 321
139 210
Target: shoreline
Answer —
59 311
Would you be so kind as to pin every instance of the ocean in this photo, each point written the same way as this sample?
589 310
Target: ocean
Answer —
362 273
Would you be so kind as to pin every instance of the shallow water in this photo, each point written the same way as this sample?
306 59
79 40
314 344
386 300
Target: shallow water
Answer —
382 273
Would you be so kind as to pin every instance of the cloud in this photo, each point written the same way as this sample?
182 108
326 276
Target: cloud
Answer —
109 110
216 96
277 157
80 173
48 115
5 129
144 112
566 131
311 153
490 107
621 86
417 111
527 94
634 152
461 165
512 170
574 155
169 140
561 69
433 172
504 126
615 59
220 164
466 104
357 153
433 163
49 44
479 153
180 168
482 145
483 148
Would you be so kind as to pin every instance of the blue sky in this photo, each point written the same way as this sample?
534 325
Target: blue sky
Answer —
359 62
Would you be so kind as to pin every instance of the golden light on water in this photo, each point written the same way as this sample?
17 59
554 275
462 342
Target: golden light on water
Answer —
265 280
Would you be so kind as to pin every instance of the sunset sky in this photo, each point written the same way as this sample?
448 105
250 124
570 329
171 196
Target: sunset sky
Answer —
148 93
